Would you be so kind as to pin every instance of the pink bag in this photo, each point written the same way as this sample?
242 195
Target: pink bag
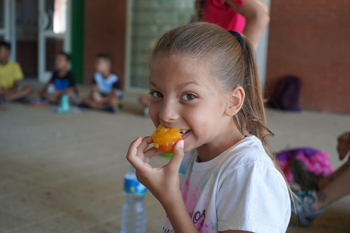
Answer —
316 161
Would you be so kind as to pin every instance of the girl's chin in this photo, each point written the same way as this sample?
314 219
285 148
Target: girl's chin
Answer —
189 145
188 148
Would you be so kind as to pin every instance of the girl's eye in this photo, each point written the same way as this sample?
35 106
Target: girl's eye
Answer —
156 94
189 97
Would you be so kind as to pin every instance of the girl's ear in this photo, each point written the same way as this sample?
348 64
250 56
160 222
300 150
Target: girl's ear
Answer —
235 101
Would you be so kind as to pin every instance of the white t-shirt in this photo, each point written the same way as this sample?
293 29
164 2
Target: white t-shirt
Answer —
238 190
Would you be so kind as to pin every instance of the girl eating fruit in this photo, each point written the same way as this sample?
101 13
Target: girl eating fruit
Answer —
223 176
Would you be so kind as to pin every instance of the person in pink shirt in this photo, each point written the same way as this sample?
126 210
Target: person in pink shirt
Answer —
249 17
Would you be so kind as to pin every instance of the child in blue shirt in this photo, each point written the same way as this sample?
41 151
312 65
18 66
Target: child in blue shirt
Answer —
61 82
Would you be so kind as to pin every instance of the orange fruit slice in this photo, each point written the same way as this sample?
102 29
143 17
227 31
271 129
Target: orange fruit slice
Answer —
164 139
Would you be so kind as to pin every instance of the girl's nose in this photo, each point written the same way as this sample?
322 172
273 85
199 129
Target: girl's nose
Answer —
168 112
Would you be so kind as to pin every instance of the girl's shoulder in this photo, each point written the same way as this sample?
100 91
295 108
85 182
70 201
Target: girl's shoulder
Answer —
248 152
246 173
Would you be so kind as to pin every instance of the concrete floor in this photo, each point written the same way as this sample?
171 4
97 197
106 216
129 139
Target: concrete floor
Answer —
64 173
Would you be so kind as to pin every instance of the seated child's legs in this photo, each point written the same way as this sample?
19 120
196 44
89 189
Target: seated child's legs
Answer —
110 101
43 93
113 101
52 98
105 101
70 92
55 98
14 94
89 100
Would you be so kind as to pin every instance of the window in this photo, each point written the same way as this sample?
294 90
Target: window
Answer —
149 20
2 14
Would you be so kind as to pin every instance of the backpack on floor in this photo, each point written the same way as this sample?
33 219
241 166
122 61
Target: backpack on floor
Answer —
286 96
316 161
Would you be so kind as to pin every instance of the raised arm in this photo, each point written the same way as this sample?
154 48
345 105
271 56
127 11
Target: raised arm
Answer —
257 18
343 146
162 182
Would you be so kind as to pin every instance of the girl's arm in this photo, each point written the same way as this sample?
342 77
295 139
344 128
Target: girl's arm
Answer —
178 215
257 18
343 146
162 182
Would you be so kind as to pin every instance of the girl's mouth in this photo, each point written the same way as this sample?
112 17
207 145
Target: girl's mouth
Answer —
185 133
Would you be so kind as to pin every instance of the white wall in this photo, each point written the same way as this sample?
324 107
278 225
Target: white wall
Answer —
261 53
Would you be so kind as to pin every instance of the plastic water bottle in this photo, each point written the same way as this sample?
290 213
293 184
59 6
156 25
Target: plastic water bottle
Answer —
64 104
50 90
134 209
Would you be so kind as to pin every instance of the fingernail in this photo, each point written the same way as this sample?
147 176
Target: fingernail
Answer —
181 143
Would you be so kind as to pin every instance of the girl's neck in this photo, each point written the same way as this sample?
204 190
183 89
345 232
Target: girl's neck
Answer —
221 143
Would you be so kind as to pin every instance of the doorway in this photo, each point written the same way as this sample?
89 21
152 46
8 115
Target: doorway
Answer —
27 37
37 31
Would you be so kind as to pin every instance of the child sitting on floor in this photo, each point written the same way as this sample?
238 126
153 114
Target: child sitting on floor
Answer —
61 82
10 74
105 91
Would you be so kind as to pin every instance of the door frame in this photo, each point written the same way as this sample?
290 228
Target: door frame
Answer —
9 30
43 74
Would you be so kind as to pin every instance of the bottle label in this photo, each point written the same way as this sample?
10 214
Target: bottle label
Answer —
134 187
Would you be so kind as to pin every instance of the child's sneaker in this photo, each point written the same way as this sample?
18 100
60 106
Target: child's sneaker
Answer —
307 180
304 210
75 100
24 100
114 109
83 105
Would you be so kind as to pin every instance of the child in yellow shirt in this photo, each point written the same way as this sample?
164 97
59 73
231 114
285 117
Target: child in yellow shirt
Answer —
10 74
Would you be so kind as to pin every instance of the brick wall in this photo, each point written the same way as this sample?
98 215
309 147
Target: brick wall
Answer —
310 39
104 33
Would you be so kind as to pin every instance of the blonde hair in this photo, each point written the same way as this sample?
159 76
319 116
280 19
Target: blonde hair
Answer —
233 66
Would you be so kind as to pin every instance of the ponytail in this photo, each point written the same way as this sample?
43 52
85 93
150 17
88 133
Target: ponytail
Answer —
251 119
